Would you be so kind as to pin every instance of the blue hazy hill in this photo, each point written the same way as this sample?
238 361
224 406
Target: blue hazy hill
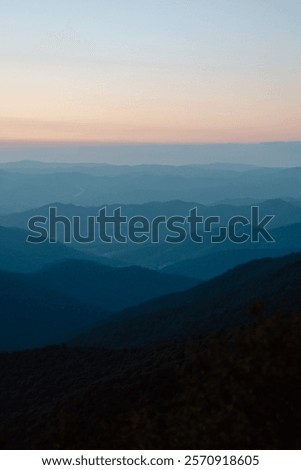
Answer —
21 190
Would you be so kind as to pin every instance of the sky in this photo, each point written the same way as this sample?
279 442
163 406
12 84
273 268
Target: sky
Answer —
150 71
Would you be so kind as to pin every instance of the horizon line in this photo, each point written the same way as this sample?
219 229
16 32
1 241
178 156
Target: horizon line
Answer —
135 164
48 143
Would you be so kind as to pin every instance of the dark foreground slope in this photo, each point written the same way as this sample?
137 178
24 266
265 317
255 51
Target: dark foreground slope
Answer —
239 388
242 393
222 302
